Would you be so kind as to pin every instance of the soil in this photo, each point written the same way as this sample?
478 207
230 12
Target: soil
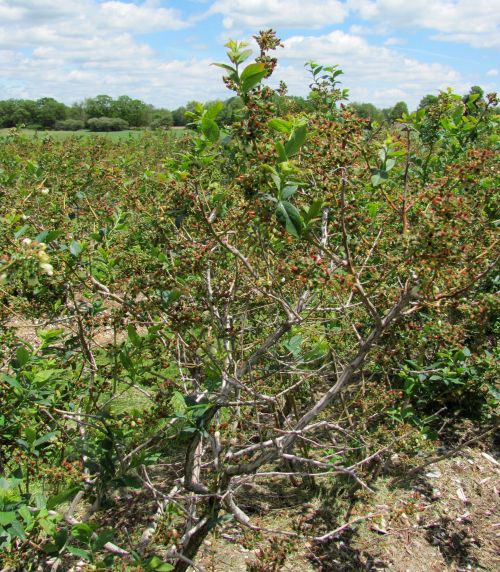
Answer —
445 520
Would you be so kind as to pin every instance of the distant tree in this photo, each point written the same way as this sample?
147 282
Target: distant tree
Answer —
191 107
427 101
12 113
24 112
134 111
229 111
6 113
474 90
15 112
162 119
474 100
399 109
99 106
179 114
367 111
179 117
391 114
48 111
298 104
77 111
286 104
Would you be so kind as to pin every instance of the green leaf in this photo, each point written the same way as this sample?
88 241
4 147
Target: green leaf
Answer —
252 75
75 248
170 296
214 110
268 197
379 177
11 381
24 444
62 497
44 375
125 360
53 235
313 212
80 553
50 335
281 125
281 151
373 208
18 529
61 537
466 352
133 336
155 563
103 537
50 548
40 500
21 231
242 56
277 180
49 235
82 531
232 71
318 351
389 164
290 218
297 139
44 439
289 190
30 435
210 129
293 345
25 514
22 356
7 518
178 404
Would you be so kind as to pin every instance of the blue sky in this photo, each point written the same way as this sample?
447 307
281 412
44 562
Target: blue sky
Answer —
160 50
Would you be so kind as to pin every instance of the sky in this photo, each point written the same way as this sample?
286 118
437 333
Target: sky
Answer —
161 51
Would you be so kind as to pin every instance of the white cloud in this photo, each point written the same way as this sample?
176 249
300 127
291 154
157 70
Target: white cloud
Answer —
492 73
368 68
26 23
131 72
142 18
79 48
475 22
279 13
393 42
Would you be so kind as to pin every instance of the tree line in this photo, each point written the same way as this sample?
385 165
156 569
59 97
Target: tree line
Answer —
104 113
390 114
97 113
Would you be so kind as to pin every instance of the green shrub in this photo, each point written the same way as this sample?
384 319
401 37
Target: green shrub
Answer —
165 122
69 125
107 124
458 382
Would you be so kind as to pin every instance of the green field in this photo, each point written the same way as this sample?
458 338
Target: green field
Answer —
114 135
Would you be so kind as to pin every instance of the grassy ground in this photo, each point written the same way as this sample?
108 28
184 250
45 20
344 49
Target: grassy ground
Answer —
114 135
